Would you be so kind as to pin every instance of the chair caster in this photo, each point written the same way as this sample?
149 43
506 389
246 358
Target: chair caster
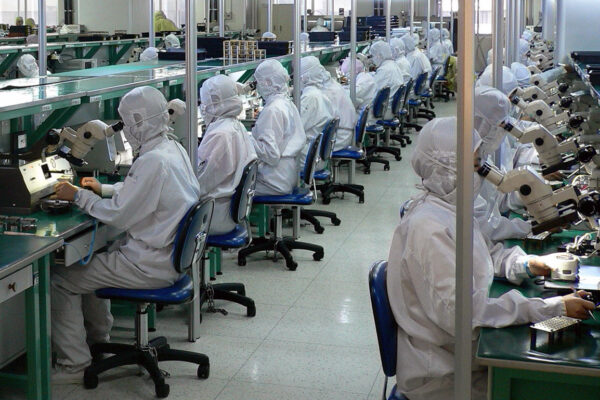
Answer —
241 261
318 256
361 199
251 312
326 200
367 171
204 370
291 265
162 390
319 229
408 141
90 381
398 158
386 167
336 221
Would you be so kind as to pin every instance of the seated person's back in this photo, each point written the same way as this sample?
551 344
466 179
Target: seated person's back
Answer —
225 149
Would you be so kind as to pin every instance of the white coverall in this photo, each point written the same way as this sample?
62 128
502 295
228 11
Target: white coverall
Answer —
343 109
149 54
225 149
491 108
419 62
521 73
421 276
278 135
28 67
157 192
449 47
388 73
315 108
320 26
398 53
172 42
437 51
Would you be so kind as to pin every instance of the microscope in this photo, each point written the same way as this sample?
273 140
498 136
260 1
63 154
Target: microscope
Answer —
554 154
533 93
542 113
549 208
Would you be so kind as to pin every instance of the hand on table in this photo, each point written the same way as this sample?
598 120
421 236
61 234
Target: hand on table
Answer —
578 307
93 184
65 191
538 267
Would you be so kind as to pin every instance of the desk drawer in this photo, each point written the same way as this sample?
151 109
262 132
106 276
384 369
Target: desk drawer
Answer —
16 283
79 246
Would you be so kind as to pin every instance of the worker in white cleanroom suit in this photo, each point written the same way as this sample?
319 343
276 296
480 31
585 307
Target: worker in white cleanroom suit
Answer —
156 194
278 136
421 276
149 54
172 42
320 26
315 108
447 42
399 55
342 108
437 51
225 149
419 62
28 67
388 73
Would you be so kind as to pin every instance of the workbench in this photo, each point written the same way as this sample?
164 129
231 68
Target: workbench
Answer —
26 260
569 368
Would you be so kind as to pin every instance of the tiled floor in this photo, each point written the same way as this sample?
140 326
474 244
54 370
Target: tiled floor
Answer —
313 336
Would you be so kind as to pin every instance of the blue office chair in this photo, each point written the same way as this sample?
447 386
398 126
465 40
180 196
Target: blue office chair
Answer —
401 115
390 125
188 248
427 94
240 237
380 104
301 196
381 129
324 176
385 325
440 88
349 155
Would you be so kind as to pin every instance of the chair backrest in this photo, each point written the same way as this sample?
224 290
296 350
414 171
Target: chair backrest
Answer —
241 202
190 239
397 99
380 104
361 125
446 65
312 157
329 137
419 83
385 324
409 87
434 76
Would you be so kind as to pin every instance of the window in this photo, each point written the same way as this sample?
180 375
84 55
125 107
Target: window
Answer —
10 9
173 9
483 20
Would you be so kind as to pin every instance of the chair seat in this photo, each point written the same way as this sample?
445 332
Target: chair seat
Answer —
299 197
427 95
375 129
414 102
403 112
393 123
237 238
350 152
180 292
322 175
441 78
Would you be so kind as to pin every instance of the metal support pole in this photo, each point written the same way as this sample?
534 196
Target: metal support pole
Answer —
42 37
464 206
244 22
25 11
332 28
296 58
412 15
305 21
222 18
151 40
509 32
388 20
269 15
497 29
440 8
428 26
452 20
207 10
516 33
353 52
18 8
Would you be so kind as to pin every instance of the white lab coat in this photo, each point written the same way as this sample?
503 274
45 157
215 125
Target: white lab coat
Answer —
448 46
404 66
421 289
157 192
438 56
223 154
278 138
315 111
344 110
366 90
389 74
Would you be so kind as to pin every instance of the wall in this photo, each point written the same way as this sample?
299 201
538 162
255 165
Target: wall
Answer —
577 27
111 15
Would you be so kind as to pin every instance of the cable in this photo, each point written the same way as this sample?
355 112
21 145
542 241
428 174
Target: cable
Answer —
86 260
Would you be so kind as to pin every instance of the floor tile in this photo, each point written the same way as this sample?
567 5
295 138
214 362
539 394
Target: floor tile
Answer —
333 295
254 391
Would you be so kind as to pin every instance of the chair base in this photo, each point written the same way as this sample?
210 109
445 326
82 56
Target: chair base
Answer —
233 292
282 246
385 149
147 357
371 159
357 190
401 138
312 214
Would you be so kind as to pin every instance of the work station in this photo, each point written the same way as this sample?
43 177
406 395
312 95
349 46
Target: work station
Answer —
299 199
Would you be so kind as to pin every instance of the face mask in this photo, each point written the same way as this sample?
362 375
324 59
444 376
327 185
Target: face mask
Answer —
208 117
134 142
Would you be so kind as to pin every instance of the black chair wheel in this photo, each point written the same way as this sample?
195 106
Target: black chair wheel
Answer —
318 256
326 200
403 144
162 390
90 380
203 371
292 265
319 229
241 261
251 312
336 221
151 329
398 158
408 141
386 167
361 199
367 171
